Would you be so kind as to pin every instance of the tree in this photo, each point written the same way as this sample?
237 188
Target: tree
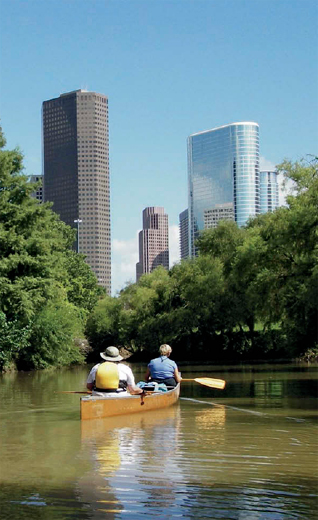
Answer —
239 251
289 280
251 291
38 271
82 285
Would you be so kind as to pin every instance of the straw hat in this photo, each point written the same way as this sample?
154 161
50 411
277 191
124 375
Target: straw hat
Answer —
111 354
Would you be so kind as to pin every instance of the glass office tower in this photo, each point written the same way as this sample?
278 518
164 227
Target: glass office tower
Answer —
269 191
223 168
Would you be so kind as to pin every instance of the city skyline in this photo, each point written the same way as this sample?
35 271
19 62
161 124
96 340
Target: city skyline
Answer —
169 69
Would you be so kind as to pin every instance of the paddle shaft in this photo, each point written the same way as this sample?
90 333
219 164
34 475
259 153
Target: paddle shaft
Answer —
73 392
90 393
205 381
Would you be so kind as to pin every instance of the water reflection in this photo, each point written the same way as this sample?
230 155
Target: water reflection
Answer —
133 461
211 418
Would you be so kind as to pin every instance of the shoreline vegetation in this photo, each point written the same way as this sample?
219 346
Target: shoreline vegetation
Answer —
250 294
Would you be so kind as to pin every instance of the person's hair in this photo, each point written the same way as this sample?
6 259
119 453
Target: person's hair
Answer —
165 350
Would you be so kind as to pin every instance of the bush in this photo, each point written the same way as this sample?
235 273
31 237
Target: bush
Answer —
52 338
13 339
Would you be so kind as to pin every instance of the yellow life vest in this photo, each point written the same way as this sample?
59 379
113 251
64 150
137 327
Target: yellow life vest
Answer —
107 376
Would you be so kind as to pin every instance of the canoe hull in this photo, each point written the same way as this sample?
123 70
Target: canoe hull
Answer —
94 407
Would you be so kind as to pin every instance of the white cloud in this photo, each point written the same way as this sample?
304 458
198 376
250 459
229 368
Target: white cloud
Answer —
125 255
124 259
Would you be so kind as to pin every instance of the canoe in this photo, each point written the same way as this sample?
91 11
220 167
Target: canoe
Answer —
95 407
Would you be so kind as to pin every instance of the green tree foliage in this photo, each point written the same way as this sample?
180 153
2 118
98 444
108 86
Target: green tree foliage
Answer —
251 292
103 324
13 340
51 338
39 274
288 280
270 267
132 319
81 287
198 297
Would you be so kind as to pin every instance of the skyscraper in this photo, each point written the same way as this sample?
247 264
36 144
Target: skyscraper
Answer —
269 191
223 170
184 233
76 172
153 241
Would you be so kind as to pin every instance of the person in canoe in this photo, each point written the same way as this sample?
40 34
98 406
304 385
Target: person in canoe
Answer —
163 369
111 376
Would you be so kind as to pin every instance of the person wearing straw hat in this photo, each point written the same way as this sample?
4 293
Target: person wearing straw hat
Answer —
111 376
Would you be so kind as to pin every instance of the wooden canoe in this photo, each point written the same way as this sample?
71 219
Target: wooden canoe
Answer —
95 407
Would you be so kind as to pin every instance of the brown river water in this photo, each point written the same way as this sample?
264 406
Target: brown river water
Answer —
249 452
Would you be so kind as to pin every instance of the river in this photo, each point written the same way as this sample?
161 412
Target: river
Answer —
248 452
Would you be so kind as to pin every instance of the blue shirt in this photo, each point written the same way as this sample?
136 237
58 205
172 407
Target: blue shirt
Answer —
162 368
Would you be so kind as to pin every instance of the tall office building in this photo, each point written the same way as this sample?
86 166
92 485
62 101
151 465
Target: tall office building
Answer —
153 241
184 234
223 169
269 191
38 193
76 172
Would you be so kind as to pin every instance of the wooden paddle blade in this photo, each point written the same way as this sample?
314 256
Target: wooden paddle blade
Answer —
212 383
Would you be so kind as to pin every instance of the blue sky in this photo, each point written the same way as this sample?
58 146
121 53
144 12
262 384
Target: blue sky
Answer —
169 68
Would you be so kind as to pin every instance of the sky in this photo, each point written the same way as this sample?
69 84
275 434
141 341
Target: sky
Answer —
170 68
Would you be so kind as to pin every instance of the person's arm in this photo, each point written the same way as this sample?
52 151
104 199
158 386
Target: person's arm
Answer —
131 385
177 376
147 375
135 390
91 378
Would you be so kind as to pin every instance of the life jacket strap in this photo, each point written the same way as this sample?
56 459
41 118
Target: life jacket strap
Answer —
122 386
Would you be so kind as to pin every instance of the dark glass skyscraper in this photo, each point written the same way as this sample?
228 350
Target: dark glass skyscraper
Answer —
223 172
76 172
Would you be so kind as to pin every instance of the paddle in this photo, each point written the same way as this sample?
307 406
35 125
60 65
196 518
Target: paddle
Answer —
73 392
88 392
205 381
208 381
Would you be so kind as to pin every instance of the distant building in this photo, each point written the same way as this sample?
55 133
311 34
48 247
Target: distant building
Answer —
269 191
38 193
153 241
76 172
223 168
184 233
221 212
